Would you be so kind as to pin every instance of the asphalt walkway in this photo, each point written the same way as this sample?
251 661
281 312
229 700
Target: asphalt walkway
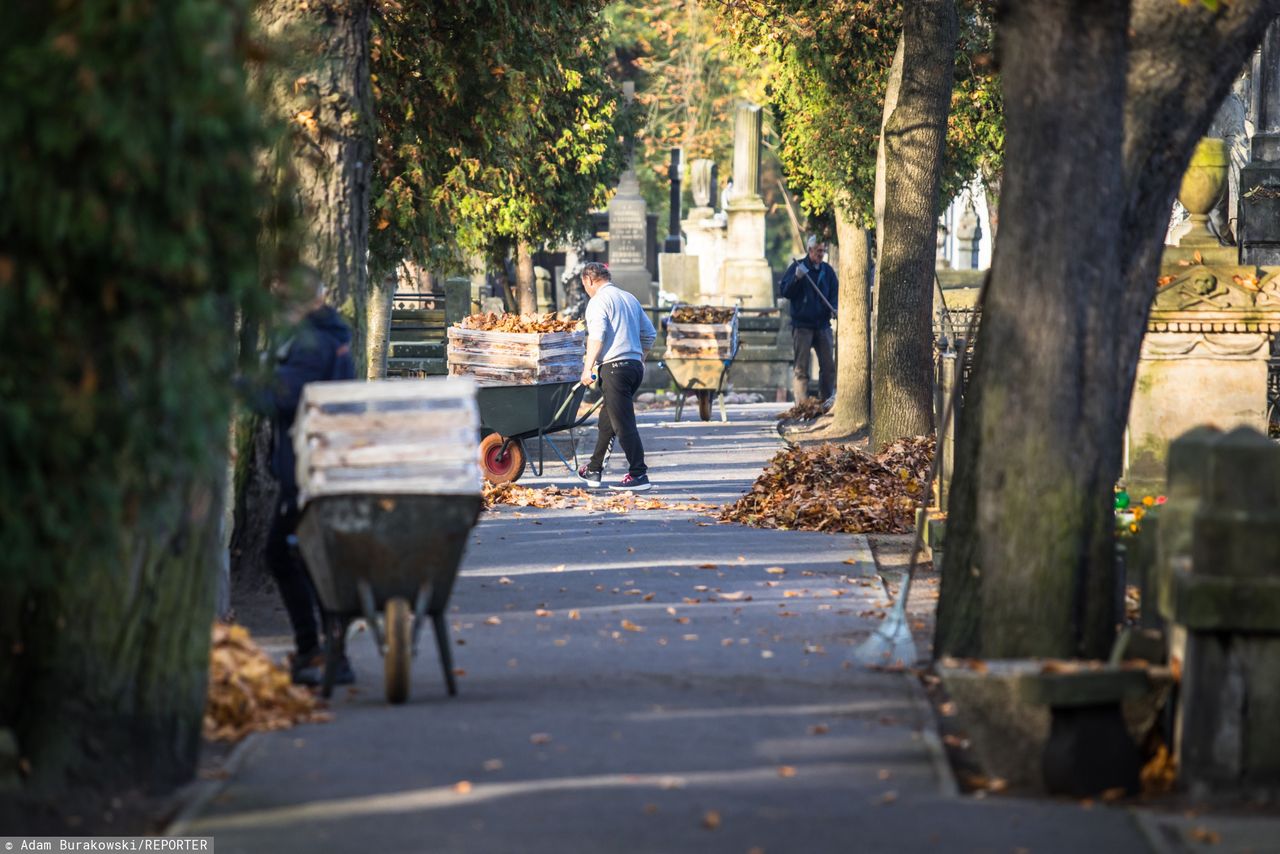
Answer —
640 682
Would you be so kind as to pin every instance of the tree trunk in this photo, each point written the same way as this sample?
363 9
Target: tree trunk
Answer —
525 281
381 303
851 411
326 96
118 321
915 139
892 88
1066 307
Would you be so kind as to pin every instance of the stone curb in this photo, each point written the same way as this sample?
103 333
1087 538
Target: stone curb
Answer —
190 801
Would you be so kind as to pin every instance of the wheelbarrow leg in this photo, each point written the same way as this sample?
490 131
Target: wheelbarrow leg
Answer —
446 655
335 649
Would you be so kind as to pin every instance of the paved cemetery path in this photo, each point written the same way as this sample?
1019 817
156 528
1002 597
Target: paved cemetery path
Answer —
674 696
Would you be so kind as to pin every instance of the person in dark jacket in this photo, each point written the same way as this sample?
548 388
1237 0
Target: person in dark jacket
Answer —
804 280
318 350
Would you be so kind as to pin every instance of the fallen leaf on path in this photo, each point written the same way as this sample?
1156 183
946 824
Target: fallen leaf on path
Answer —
540 738
574 615
819 729
630 626
775 570
711 819
785 771
492 621
1204 835
462 787
542 612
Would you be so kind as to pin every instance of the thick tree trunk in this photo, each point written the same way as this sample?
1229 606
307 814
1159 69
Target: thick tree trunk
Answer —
915 139
851 411
326 95
118 323
525 280
1067 304
381 303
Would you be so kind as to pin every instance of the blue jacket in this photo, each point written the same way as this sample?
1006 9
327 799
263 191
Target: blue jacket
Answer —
807 311
319 350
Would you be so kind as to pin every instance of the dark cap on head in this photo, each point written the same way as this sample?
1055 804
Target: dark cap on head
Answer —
596 270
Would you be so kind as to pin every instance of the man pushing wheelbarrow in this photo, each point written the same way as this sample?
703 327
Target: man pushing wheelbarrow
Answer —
619 334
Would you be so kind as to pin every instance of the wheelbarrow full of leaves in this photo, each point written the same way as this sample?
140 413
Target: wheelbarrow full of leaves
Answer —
390 492
702 342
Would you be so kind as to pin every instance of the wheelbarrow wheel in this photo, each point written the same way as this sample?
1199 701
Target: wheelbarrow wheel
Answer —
399 651
499 466
704 404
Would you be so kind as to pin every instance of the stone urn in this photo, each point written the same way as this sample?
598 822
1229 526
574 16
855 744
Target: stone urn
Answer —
1202 188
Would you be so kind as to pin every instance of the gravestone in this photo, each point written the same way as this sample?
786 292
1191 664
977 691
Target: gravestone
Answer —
746 278
1260 179
1223 600
1204 357
628 226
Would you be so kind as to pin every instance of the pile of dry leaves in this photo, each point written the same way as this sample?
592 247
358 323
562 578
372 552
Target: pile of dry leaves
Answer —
493 322
248 692
701 314
526 496
838 489
556 498
806 410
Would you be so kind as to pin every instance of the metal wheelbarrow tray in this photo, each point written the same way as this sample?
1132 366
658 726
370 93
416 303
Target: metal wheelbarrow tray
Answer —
391 555
512 414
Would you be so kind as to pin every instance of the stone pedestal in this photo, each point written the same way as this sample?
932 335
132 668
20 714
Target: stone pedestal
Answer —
746 278
1203 362
705 239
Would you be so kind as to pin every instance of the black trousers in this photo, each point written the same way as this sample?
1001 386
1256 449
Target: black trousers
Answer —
292 578
619 382
819 340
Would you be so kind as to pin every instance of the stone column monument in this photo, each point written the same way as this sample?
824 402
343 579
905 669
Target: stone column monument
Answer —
628 250
745 277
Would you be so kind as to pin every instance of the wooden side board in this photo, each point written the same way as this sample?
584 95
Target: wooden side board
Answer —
397 436
516 358
702 340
